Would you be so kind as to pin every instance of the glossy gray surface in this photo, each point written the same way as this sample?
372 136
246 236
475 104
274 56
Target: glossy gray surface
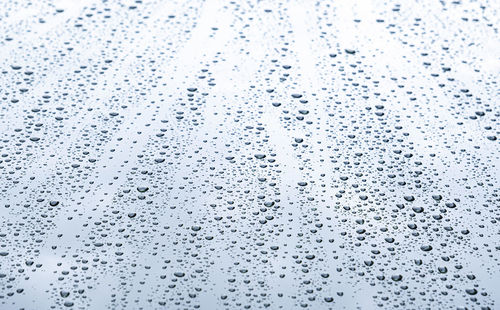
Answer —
249 155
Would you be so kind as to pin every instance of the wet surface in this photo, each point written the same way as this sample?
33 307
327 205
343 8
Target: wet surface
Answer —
249 155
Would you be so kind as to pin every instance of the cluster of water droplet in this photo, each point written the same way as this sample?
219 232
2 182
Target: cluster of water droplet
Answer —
249 155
